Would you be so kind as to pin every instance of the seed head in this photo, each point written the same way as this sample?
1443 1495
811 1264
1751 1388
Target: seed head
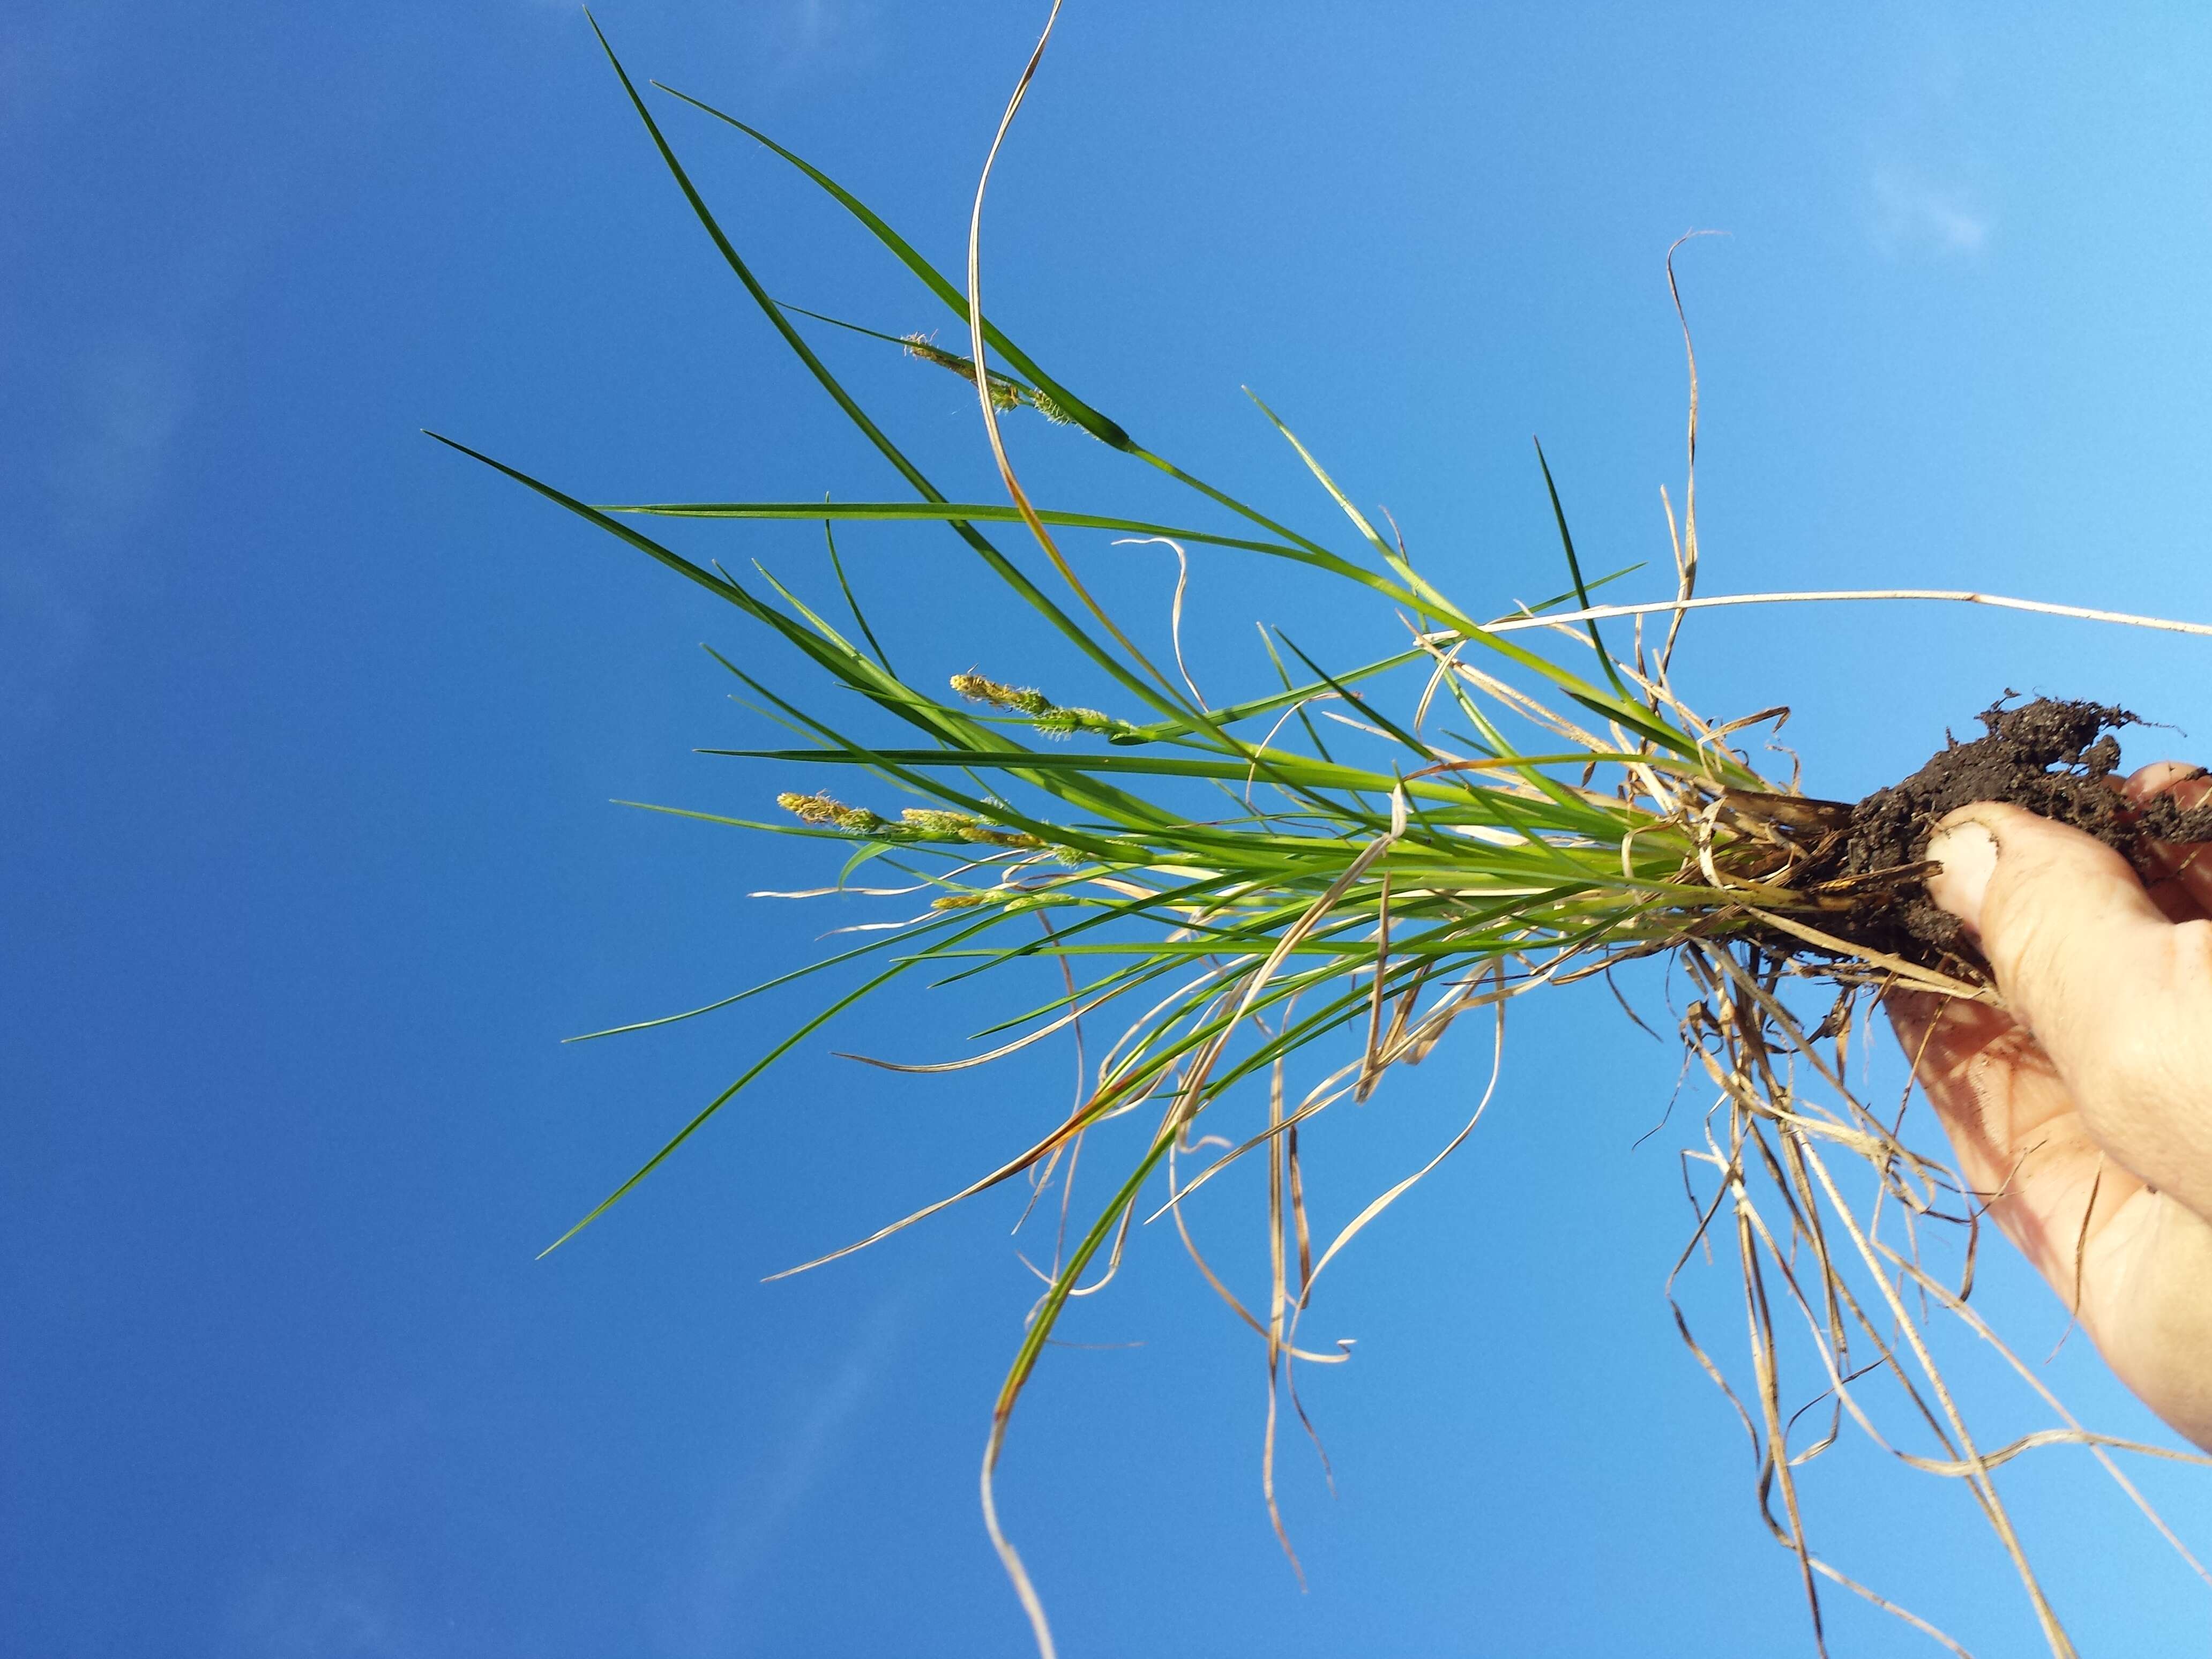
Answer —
930 823
1042 403
810 809
1022 699
1053 719
998 837
1005 393
1059 722
824 808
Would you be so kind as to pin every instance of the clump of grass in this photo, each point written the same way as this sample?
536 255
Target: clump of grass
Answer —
1517 805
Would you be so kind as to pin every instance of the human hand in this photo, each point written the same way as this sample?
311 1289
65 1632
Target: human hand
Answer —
2082 1109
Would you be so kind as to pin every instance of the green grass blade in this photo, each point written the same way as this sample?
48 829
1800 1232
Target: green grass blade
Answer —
1575 569
1089 419
986 513
1001 566
1098 425
829 535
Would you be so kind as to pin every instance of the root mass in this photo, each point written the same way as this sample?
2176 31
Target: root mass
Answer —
2059 759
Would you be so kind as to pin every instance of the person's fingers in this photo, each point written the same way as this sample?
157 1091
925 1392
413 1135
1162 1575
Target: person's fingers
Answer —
2144 1300
2174 901
2118 997
2017 1140
2159 778
2132 1263
2188 865
2097 1075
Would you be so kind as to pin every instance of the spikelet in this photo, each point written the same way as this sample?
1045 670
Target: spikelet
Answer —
824 809
1036 398
1053 719
999 837
930 823
1005 393
914 824
1021 698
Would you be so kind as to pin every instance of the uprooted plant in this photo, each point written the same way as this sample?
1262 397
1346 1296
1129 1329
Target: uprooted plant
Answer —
1515 821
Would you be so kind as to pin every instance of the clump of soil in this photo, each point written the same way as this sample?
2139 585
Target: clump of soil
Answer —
2054 758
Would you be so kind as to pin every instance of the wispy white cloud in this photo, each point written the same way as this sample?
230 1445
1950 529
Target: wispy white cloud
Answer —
768 42
328 1614
328 1586
1913 214
1925 192
113 413
755 1509
104 393
817 25
129 396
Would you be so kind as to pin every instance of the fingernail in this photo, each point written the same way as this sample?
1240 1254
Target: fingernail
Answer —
1968 854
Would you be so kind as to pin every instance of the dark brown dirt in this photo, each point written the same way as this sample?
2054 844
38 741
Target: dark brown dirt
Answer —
2059 759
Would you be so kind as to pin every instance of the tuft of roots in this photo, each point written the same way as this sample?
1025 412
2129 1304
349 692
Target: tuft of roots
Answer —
1841 1288
1844 1290
1864 863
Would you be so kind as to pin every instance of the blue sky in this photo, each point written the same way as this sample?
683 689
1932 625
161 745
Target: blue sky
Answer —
310 730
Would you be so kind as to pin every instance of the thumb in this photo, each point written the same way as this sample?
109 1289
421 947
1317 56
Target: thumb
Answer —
2119 998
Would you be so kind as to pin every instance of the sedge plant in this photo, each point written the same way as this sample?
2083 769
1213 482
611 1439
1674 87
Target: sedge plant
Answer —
1365 856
